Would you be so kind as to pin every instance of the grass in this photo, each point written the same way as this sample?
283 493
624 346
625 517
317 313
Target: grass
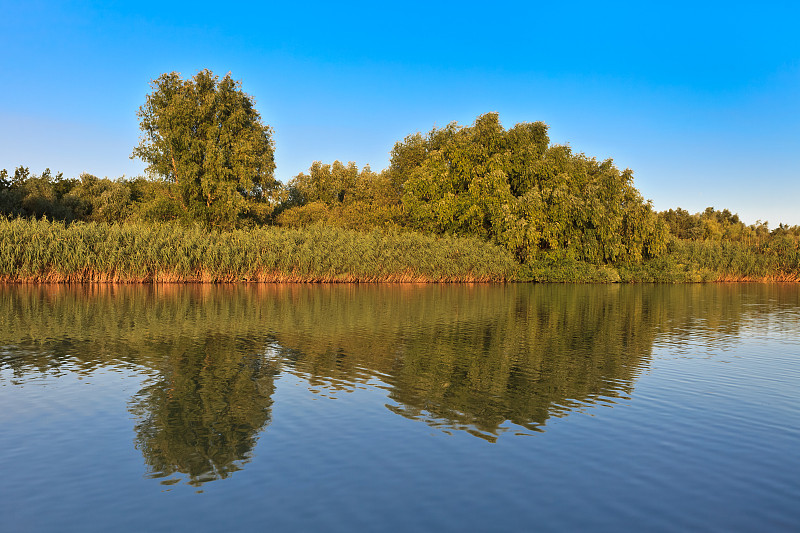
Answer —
777 260
714 261
44 251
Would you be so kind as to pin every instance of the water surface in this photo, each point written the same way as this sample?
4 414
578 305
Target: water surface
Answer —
391 407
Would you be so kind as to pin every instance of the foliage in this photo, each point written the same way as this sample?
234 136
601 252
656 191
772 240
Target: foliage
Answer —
556 215
343 196
715 225
553 270
328 184
31 195
204 136
87 198
510 186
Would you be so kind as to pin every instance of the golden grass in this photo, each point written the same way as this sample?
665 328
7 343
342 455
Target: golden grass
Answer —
52 252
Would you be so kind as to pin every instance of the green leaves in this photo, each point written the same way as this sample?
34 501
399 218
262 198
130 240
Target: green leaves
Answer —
511 187
341 195
204 136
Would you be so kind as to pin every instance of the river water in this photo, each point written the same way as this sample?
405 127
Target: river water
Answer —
400 407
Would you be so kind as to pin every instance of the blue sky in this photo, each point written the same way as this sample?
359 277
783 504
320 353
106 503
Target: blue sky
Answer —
701 101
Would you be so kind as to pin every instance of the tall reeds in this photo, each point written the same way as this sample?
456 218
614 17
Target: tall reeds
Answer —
44 251
709 261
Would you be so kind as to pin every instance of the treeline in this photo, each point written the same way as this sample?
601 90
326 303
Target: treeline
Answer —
716 225
715 245
509 187
561 215
92 199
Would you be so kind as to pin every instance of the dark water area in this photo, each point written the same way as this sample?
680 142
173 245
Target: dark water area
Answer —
400 407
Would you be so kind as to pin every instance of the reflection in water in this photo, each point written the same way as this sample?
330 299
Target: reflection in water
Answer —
202 414
210 388
471 357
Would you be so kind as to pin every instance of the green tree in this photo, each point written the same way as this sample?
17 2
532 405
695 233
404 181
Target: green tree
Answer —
205 138
341 195
512 187
101 200
329 184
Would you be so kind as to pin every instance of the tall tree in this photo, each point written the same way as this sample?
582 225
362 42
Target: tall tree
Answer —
205 136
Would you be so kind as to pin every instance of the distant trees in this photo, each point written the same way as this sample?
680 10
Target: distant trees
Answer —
720 225
87 198
508 186
27 194
204 136
341 195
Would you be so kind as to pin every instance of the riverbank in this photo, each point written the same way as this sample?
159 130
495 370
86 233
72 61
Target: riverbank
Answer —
44 251
55 252
673 268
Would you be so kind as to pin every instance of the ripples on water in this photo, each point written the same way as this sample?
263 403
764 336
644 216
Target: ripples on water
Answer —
388 407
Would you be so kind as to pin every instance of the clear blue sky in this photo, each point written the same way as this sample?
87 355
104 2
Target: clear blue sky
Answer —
700 99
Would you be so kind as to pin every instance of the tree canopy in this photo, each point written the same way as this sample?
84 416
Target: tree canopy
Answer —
341 195
204 136
513 187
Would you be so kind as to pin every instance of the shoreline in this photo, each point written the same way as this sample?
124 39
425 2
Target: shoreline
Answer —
279 279
40 251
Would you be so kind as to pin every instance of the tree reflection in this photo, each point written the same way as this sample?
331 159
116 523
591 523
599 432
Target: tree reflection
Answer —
209 394
477 358
202 415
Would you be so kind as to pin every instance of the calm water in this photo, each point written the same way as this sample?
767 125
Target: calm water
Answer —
391 408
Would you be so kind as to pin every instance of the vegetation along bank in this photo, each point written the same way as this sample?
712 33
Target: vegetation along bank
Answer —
460 203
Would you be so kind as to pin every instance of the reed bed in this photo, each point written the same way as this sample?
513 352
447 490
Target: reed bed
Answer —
45 251
777 260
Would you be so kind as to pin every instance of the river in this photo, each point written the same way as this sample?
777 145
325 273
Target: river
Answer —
400 407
